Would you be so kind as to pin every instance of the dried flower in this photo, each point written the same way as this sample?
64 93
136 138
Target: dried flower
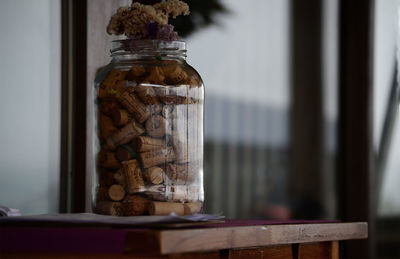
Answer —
152 30
166 32
146 21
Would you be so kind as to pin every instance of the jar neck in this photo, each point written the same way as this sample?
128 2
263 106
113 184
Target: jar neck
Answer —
128 50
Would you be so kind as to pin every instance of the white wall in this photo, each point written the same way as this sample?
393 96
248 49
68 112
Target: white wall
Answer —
386 32
30 104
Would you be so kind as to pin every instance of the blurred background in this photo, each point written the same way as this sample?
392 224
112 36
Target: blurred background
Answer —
302 107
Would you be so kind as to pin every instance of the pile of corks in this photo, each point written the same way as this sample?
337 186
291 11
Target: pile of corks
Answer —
150 131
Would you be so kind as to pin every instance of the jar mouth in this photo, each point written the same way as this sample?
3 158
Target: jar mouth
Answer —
148 47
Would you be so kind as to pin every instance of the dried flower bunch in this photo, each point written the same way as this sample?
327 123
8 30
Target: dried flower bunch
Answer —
147 21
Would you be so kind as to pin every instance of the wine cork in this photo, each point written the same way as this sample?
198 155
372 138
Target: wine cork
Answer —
192 208
107 87
135 205
133 176
157 157
166 208
181 173
125 152
155 108
102 92
174 74
119 88
106 126
108 160
114 76
120 117
154 175
180 120
186 152
182 193
174 95
107 106
136 72
187 135
156 76
116 192
147 94
105 177
168 111
156 126
132 103
144 144
177 193
193 81
124 135
102 193
119 177
109 208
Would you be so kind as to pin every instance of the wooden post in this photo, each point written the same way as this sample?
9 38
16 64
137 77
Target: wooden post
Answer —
355 183
306 111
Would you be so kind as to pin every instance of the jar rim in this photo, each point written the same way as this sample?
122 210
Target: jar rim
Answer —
138 46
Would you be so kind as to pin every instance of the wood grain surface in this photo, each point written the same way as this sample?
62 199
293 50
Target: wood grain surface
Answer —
209 239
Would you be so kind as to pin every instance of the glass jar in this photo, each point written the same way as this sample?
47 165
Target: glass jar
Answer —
148 131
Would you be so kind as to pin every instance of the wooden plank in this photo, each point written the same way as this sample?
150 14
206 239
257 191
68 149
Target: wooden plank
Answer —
254 253
209 239
278 252
270 252
322 250
335 250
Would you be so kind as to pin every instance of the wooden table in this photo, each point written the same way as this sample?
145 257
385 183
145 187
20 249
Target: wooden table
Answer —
233 239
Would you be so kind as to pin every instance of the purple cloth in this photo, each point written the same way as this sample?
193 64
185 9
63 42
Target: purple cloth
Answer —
97 239
83 240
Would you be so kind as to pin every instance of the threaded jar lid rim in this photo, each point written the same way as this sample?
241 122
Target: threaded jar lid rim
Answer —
138 46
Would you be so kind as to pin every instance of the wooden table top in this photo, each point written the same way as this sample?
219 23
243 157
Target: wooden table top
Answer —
232 234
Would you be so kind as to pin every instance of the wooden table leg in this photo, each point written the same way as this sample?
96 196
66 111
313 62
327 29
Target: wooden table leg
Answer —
270 252
321 250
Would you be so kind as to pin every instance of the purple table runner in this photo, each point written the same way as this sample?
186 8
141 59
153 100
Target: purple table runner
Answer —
94 240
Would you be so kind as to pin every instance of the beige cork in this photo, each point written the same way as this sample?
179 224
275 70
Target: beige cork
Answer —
156 76
120 117
181 173
136 72
166 208
133 176
109 208
135 205
154 175
174 74
116 192
157 157
147 94
144 144
192 207
131 103
156 126
125 134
